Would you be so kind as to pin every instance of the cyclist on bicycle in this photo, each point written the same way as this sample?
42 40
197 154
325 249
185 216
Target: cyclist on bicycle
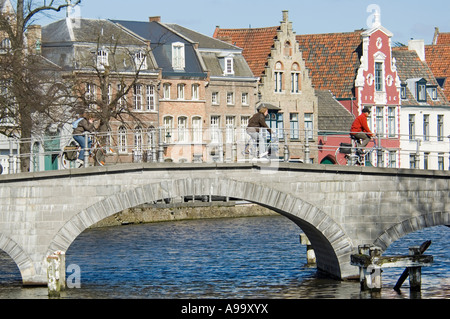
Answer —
360 130
255 128
86 124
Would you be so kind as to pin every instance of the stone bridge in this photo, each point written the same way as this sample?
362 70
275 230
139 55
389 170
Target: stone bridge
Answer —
337 207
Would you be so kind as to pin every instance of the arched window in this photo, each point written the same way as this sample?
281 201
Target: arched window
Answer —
122 139
278 77
287 49
295 78
138 138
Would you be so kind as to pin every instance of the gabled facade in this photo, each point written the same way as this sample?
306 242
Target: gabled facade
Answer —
182 90
104 59
231 91
358 69
425 112
284 87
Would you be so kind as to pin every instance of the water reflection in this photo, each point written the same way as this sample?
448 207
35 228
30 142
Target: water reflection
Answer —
223 258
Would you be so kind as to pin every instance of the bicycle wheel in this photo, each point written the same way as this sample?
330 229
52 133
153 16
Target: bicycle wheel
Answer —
67 163
341 159
106 156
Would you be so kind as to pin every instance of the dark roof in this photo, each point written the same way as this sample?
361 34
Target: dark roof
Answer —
332 116
161 38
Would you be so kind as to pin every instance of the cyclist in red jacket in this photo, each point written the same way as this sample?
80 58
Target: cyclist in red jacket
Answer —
360 129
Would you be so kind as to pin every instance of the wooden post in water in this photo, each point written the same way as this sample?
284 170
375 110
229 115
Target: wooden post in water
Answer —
406 272
310 254
56 273
415 273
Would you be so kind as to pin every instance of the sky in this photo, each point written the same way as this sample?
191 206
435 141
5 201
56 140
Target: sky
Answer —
406 19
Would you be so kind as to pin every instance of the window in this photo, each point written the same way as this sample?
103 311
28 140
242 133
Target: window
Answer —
229 68
287 49
309 126
440 127
151 105
122 136
138 138
91 94
182 129
230 98
5 45
392 159
426 156
178 62
215 98
195 92
244 124
102 58
197 129
140 60
391 121
441 161
412 160
229 129
166 91
403 92
244 99
426 127
379 77
215 131
123 98
180 91
295 82
168 129
109 97
278 82
432 92
421 92
294 125
380 120
278 77
137 97
412 127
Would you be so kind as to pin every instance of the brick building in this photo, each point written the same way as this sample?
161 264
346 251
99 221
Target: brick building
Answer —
358 70
284 86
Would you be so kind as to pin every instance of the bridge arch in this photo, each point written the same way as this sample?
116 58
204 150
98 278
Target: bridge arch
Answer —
411 225
20 257
332 246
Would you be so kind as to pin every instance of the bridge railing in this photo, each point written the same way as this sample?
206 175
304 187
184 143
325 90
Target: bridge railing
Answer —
215 144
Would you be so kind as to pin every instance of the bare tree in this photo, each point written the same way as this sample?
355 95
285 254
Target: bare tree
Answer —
116 67
30 86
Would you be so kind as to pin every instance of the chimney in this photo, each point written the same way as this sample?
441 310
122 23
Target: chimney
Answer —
285 15
155 19
34 38
419 47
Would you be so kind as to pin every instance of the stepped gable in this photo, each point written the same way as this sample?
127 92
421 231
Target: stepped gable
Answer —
255 43
333 60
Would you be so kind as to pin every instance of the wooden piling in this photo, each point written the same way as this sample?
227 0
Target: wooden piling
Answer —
371 263
56 273
310 254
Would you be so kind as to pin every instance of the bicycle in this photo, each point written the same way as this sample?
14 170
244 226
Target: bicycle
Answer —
354 155
271 143
101 155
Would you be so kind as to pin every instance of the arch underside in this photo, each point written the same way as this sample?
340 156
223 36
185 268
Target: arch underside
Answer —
331 245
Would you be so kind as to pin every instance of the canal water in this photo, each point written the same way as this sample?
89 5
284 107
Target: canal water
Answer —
257 257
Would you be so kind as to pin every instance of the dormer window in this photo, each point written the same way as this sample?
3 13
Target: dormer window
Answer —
102 58
178 56
140 60
229 69
421 89
432 92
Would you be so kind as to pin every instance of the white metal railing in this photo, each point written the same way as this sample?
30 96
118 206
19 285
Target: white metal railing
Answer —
225 145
